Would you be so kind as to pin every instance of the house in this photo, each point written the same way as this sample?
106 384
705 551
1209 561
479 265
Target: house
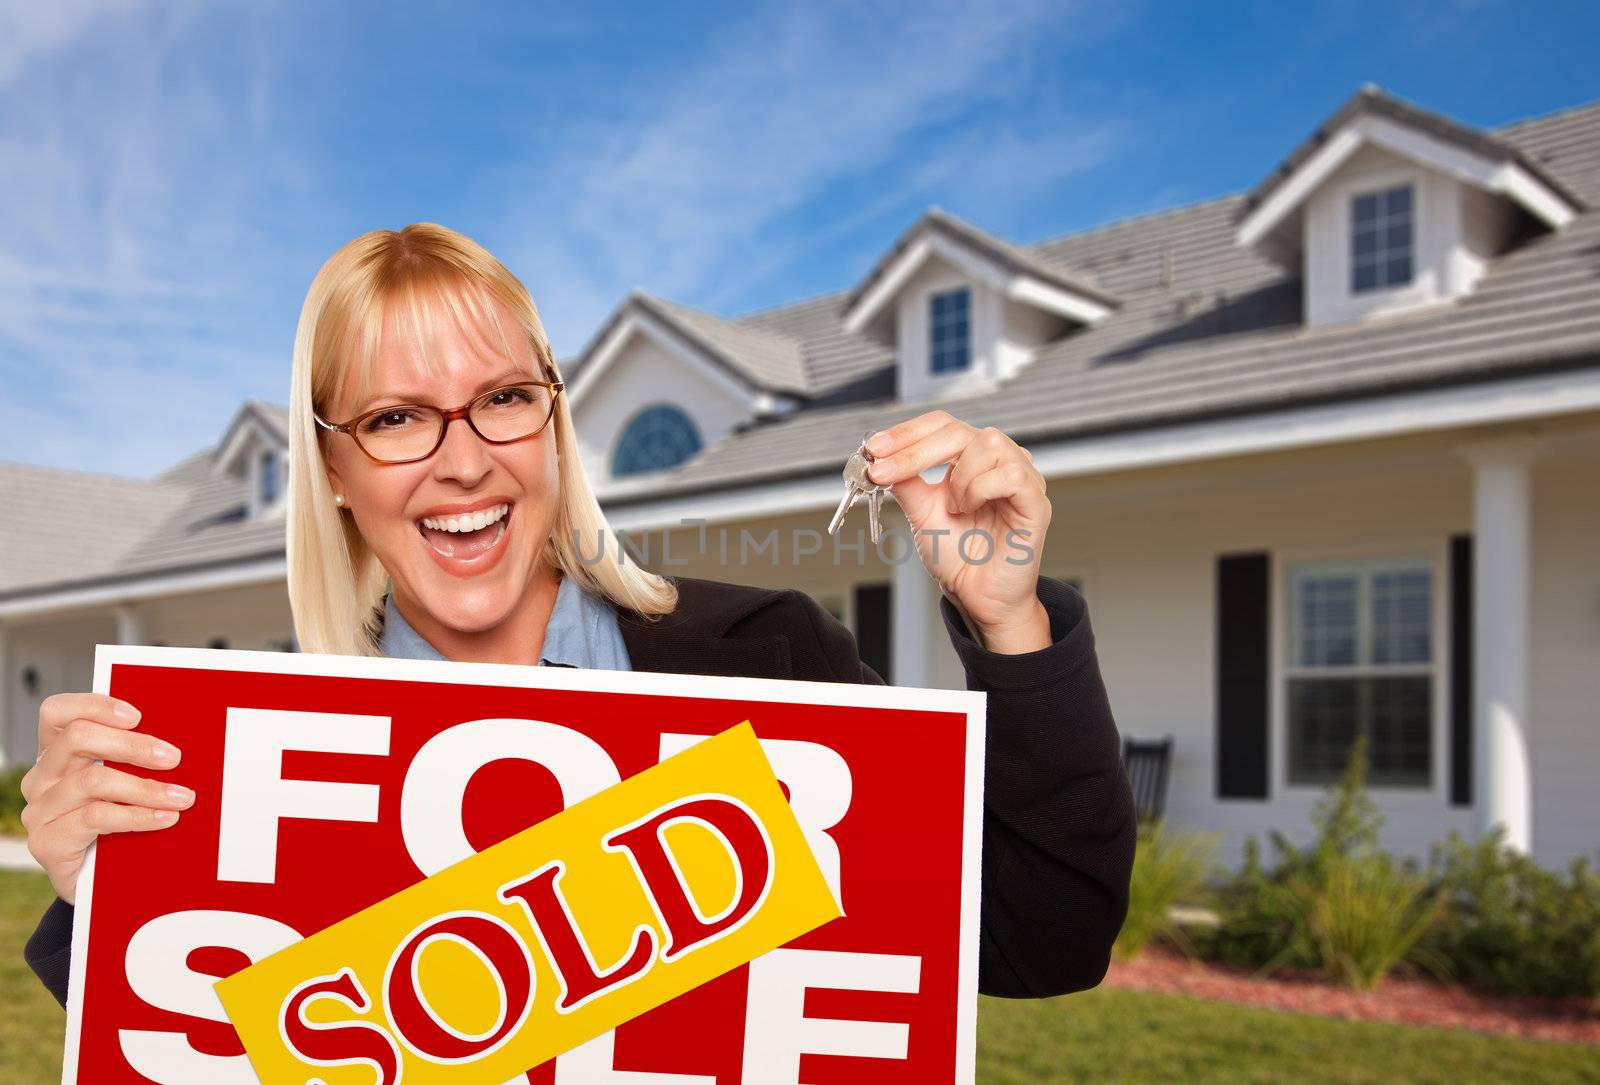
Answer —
1324 458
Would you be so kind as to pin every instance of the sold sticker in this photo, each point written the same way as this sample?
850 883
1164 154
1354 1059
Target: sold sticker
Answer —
547 939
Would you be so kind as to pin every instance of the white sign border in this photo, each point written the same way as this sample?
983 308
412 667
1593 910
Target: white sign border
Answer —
709 687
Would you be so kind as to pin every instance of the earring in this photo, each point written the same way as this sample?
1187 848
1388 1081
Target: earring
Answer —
338 499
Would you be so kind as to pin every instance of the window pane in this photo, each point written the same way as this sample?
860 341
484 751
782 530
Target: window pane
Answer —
1322 727
1326 617
659 437
1382 237
1326 715
949 335
1398 731
1401 616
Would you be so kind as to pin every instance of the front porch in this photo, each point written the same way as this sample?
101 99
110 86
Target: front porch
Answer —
1495 534
47 649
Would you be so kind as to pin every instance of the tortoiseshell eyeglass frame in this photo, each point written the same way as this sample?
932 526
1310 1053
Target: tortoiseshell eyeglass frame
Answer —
449 415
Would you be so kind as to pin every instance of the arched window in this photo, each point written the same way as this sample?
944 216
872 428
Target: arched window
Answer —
658 437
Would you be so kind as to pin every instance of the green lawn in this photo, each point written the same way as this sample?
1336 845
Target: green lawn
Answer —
1098 1036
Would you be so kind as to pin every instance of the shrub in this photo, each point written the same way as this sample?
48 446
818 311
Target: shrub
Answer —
11 803
1170 867
1364 917
1340 906
1512 925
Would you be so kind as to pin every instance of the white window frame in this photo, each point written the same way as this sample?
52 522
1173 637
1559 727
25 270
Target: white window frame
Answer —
1435 793
1411 254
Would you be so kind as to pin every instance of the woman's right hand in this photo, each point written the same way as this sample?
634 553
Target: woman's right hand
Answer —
72 797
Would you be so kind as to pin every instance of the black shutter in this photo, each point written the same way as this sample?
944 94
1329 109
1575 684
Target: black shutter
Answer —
1461 670
1243 644
872 627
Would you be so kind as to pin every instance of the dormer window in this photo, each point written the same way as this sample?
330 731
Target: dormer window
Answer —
949 331
1388 209
658 437
268 479
1381 239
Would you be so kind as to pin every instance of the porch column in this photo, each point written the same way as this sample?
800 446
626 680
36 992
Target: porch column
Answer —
130 626
914 612
1501 523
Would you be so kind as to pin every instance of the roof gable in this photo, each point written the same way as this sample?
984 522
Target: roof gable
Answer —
1012 271
755 362
265 422
1374 118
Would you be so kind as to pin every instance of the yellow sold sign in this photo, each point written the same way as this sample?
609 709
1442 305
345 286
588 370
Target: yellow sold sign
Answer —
548 939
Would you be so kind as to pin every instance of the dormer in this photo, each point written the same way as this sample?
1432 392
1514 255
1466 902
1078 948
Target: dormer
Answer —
255 451
1388 209
965 310
659 381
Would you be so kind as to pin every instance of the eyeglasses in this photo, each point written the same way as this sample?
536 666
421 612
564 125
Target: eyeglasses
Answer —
408 432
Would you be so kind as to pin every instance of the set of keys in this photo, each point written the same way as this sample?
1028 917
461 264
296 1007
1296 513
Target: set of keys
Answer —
856 484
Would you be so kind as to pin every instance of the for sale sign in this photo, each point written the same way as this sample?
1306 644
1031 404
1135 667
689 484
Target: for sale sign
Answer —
327 785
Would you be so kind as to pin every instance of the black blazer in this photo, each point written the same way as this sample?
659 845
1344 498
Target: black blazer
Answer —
1058 826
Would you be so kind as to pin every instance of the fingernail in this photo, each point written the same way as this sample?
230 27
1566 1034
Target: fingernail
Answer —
125 712
164 755
179 794
879 471
164 817
878 442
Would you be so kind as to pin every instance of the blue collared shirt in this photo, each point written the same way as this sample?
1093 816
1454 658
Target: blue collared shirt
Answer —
583 632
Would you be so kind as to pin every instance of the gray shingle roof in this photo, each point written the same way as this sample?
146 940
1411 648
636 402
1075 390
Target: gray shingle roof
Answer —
1204 328
767 358
58 525
1208 328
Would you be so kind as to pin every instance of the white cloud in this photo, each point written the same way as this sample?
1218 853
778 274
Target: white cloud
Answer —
800 99
33 28
128 163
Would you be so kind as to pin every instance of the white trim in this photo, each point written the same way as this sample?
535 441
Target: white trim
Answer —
643 323
1503 178
1055 299
261 571
887 286
1294 192
1507 400
1019 286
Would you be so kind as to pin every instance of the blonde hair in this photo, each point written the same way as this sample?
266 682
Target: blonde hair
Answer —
415 277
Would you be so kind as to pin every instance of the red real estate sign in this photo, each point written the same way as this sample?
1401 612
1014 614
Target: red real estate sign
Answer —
328 783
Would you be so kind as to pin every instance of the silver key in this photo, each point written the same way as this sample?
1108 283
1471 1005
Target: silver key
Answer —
857 485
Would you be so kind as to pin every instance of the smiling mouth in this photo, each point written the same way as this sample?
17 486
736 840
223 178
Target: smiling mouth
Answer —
467 537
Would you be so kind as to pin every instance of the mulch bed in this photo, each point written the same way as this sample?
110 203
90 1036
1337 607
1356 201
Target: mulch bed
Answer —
1398 1000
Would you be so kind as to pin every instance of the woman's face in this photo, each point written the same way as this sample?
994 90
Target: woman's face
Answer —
468 581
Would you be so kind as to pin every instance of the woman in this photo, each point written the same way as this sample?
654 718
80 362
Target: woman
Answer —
410 535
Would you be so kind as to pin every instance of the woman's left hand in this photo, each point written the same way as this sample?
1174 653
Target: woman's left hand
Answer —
993 491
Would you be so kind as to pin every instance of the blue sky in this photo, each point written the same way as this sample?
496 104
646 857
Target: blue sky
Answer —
172 174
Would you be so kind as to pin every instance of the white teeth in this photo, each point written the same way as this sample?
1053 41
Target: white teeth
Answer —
472 521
